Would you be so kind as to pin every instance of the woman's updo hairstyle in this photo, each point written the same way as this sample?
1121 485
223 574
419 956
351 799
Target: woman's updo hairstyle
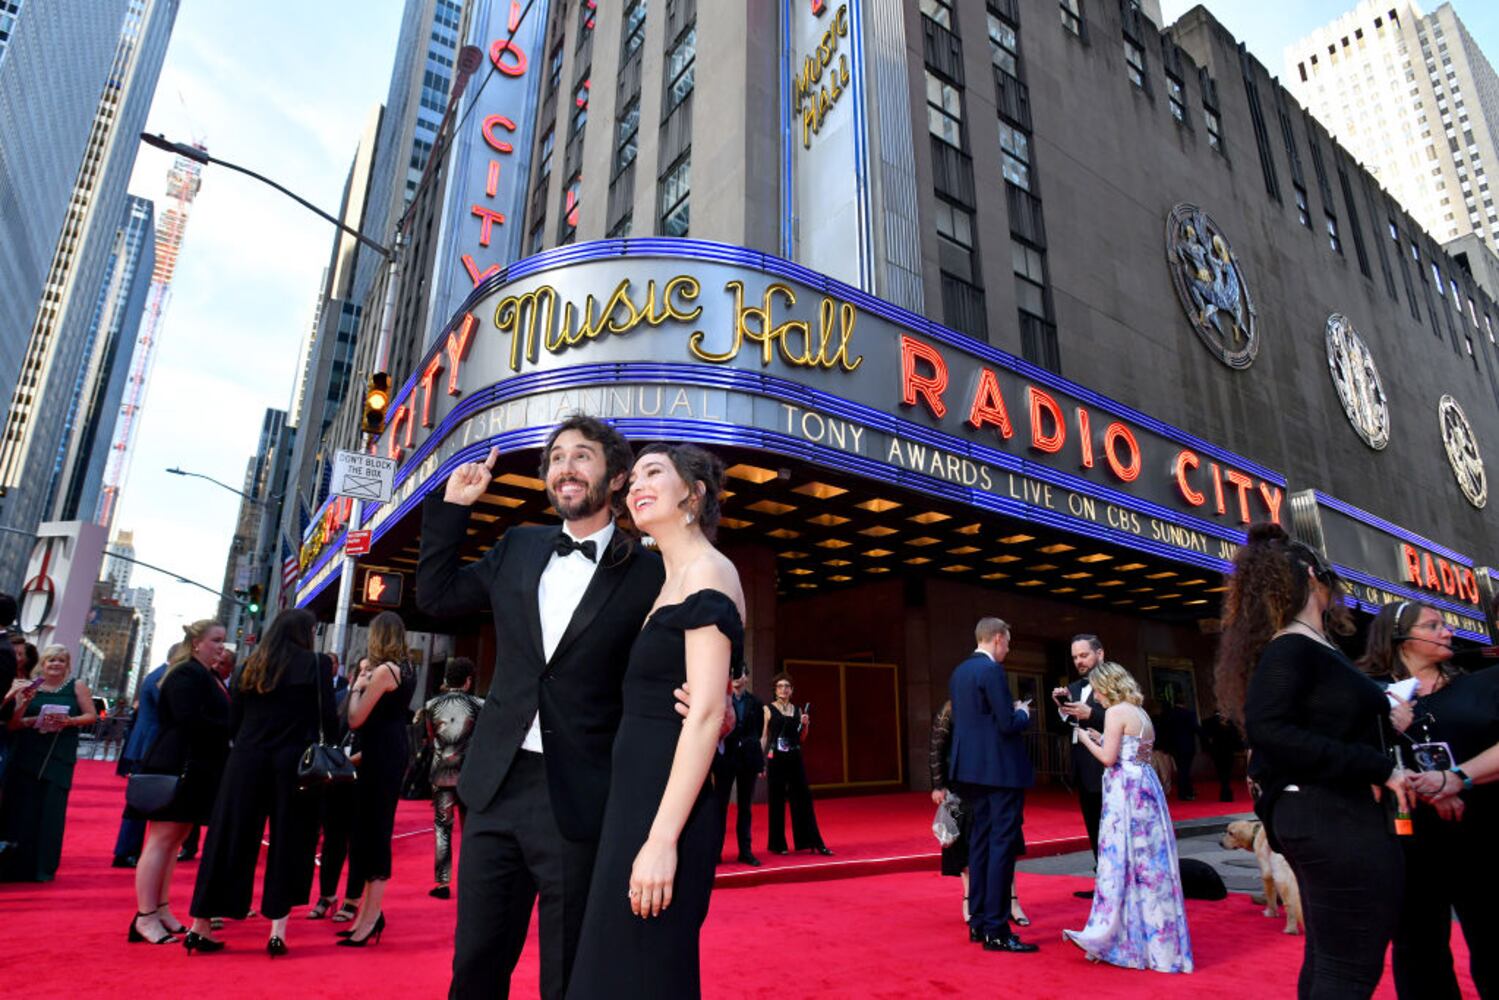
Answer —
695 465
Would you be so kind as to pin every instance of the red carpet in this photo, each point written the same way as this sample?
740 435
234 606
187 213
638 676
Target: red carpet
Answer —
895 935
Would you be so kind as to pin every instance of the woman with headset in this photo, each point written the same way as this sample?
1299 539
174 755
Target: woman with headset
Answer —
1448 857
1317 735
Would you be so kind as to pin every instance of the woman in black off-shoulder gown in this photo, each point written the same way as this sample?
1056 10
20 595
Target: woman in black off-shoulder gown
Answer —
620 954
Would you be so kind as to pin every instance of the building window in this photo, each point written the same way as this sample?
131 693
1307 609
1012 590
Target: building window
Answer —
1394 232
554 69
622 227
1016 149
587 18
944 110
1072 16
537 239
1134 59
1176 94
675 188
634 30
955 240
625 133
1030 279
544 166
1436 276
570 208
679 69
580 107
1303 215
1333 239
939 11
1003 49
1214 127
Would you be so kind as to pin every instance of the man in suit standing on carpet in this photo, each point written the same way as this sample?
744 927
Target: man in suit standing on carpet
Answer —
741 763
990 771
567 602
1081 710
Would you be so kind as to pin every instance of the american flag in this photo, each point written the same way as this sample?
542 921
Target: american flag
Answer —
290 567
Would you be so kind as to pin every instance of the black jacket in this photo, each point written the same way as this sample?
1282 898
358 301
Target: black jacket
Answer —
741 746
1086 769
578 692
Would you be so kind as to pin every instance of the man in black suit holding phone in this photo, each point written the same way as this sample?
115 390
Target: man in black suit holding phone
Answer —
1081 710
568 602
990 771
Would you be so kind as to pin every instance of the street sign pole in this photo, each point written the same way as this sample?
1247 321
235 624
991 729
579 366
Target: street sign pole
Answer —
356 511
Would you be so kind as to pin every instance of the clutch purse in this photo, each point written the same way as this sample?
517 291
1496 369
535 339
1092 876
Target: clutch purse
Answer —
152 794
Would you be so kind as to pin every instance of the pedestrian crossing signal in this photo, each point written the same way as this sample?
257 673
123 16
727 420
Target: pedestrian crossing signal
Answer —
382 590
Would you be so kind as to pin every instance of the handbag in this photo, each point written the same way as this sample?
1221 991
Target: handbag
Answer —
323 763
945 825
152 794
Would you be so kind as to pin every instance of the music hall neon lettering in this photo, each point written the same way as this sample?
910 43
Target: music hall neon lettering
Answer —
793 339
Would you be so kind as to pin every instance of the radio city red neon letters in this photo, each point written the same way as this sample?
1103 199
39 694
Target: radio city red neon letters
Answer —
924 381
1436 573
510 59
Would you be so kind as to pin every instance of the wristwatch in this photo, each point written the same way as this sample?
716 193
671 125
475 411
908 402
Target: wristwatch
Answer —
1463 776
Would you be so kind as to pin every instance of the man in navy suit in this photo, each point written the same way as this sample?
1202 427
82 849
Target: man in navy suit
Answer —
990 771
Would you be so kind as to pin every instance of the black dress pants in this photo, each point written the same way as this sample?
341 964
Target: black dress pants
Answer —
1350 869
742 780
786 782
1448 866
512 852
1091 804
993 840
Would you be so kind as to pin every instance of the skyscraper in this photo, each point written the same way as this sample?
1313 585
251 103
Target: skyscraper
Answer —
58 343
54 59
117 560
183 181
79 472
1414 98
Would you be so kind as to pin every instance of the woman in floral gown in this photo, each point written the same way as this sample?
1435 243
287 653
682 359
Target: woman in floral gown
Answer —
1138 919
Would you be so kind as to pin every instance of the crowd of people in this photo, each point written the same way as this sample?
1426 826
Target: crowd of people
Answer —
594 781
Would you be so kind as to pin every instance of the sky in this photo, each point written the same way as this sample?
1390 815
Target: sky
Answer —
282 88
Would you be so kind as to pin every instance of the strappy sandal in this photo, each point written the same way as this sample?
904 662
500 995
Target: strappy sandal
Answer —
170 930
1016 913
345 913
320 908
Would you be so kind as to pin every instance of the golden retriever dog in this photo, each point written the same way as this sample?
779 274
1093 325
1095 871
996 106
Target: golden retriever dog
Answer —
1275 871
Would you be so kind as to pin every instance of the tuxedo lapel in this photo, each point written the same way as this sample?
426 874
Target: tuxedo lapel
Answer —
614 564
535 563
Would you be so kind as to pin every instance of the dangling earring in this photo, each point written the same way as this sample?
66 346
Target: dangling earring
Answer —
687 519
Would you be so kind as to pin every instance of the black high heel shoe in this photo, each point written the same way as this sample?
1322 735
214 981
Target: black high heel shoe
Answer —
275 946
136 937
321 908
352 942
201 942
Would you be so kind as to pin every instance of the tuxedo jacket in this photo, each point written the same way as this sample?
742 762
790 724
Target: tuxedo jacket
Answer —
1085 767
578 692
987 744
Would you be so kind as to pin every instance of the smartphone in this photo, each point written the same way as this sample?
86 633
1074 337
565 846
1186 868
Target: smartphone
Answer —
1059 696
36 682
807 708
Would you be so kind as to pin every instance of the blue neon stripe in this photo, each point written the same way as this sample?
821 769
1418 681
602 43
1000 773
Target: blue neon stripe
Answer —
1375 521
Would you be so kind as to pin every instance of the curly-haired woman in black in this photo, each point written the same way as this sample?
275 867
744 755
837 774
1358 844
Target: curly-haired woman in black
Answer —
1316 736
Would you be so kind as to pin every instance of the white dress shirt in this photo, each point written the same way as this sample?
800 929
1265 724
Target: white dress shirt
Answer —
563 582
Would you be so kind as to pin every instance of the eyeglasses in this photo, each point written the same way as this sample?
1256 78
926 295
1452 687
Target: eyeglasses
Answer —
1431 626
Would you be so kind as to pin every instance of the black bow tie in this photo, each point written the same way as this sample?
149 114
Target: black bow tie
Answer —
565 544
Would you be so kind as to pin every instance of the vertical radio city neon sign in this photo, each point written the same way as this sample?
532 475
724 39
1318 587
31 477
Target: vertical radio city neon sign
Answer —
497 130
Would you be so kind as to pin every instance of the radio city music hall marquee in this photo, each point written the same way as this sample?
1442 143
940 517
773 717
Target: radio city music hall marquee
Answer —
680 338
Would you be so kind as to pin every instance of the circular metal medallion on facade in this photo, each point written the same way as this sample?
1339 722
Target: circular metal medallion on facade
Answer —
1210 284
1462 452
1357 380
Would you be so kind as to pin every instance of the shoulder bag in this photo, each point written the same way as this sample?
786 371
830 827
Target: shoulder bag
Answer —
323 763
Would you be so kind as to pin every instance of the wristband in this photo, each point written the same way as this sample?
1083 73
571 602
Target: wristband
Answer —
1463 777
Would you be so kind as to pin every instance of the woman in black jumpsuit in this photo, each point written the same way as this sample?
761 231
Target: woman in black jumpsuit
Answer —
786 775
274 717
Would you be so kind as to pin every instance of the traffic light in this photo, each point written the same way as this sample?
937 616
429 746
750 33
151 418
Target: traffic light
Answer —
382 590
257 595
376 399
